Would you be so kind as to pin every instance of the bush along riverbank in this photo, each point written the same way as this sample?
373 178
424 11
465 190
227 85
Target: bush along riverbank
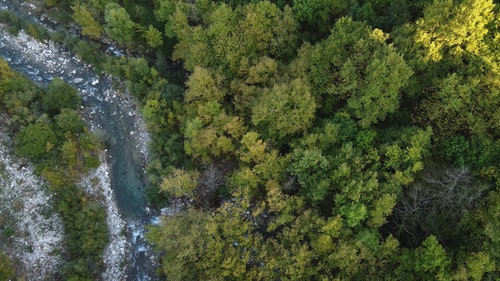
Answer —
152 78
114 116
48 130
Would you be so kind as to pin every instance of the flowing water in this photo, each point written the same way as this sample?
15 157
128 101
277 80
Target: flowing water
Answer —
114 114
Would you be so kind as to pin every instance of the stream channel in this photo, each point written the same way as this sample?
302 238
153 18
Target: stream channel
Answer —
111 111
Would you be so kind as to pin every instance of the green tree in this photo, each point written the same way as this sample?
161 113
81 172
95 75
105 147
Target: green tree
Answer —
69 152
86 233
317 17
184 257
268 30
213 133
427 262
93 231
138 74
260 166
35 140
19 97
119 25
203 87
311 169
355 65
478 265
465 105
68 121
224 36
209 130
60 95
403 156
492 225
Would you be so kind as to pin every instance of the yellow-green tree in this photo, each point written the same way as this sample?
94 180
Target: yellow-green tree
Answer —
453 29
90 26
180 183
153 36
285 110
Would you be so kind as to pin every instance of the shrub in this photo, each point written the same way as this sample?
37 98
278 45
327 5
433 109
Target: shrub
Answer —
60 95
36 140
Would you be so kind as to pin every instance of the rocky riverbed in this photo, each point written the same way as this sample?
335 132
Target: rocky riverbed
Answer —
33 232
119 181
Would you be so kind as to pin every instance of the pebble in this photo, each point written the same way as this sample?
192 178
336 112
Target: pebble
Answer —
56 62
77 80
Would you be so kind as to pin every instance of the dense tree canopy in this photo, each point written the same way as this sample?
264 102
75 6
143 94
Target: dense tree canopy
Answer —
338 161
314 140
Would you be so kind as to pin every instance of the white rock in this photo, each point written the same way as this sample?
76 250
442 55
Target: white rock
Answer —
39 232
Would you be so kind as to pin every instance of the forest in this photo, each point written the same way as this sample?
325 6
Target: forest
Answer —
313 140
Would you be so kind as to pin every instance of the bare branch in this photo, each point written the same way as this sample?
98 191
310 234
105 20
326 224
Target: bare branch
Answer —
438 202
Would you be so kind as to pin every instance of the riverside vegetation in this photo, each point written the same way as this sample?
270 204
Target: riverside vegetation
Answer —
316 140
47 129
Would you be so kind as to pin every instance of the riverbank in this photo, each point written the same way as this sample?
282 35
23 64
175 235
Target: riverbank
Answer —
32 231
111 113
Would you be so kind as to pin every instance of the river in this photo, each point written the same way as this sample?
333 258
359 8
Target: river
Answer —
114 113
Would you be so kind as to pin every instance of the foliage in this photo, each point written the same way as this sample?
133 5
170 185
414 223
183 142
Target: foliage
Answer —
446 29
18 97
6 270
427 262
15 24
90 26
119 25
284 110
57 140
190 234
356 66
319 140
153 37
180 183
36 140
332 162
317 17
60 95
229 35
68 121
